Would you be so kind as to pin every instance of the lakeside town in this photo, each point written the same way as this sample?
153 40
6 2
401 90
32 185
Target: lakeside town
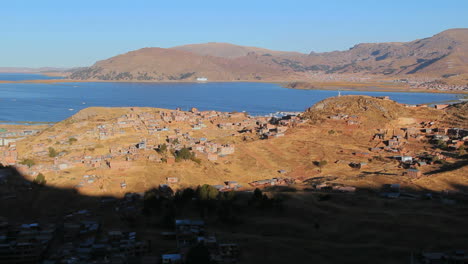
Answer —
128 137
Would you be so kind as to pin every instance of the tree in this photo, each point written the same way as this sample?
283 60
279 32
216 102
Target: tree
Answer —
229 196
183 154
186 154
52 152
257 194
162 148
462 150
40 179
188 194
207 192
320 164
28 162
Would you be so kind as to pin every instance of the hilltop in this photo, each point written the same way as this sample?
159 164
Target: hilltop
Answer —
228 50
371 110
442 55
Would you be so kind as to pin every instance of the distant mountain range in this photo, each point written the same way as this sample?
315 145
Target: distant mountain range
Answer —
32 70
444 54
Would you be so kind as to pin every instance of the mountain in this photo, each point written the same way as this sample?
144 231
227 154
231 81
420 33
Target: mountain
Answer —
442 55
160 64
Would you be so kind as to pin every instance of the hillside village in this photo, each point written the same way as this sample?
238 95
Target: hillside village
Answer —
358 146
154 136
136 136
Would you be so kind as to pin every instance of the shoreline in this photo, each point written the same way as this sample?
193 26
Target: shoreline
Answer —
330 86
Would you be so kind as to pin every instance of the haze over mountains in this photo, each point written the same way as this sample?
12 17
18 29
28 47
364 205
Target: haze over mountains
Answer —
443 54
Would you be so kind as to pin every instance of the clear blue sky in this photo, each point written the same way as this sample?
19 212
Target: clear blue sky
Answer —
66 33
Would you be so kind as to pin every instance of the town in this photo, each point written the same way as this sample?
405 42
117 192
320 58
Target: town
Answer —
99 152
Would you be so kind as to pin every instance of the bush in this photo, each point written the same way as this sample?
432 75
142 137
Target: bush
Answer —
40 179
72 140
441 144
320 163
379 158
28 162
52 152
331 132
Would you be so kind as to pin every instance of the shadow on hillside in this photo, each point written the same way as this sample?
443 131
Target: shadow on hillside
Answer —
450 167
392 226
23 199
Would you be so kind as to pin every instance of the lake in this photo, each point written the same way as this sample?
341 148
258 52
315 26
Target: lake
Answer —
25 77
55 102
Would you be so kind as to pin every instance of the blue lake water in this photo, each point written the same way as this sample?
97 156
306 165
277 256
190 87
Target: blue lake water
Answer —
52 102
24 77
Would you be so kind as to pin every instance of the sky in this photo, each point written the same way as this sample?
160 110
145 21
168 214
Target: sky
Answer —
72 33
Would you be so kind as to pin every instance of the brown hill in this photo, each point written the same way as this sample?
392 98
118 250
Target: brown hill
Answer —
228 50
160 64
370 110
442 55
457 115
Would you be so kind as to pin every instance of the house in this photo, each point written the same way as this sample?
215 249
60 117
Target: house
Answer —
406 159
229 253
171 259
232 184
141 145
119 164
352 122
394 187
376 149
212 157
386 97
393 143
391 191
358 165
440 106
362 154
349 189
378 136
172 180
456 256
187 231
413 173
